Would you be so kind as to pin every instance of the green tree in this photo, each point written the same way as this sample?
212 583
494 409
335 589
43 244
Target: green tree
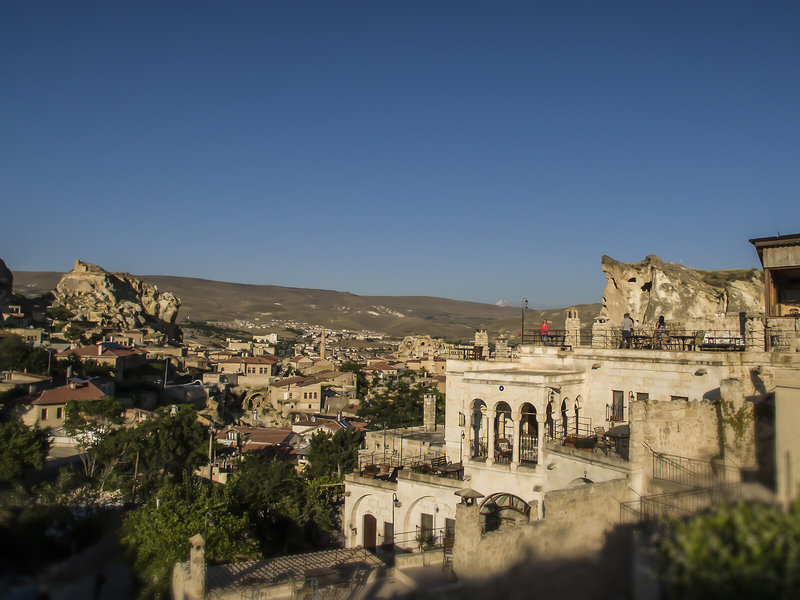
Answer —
273 494
172 442
738 551
16 355
73 334
362 385
399 404
22 449
156 535
89 422
333 455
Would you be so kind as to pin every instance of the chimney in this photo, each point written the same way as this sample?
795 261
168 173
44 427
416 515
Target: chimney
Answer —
100 349
322 345
429 412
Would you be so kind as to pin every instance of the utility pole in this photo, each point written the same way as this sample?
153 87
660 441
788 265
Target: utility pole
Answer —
210 450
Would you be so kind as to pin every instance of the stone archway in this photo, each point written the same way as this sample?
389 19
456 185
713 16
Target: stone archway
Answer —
479 431
503 510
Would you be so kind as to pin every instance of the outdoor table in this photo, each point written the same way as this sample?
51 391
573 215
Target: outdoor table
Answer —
681 341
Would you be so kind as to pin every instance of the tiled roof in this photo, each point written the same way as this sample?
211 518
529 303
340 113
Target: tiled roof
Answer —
298 381
296 567
65 393
263 359
107 350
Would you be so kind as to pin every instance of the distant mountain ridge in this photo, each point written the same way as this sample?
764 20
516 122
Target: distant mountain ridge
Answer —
207 300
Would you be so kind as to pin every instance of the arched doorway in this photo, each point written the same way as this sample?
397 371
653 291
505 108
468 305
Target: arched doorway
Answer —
503 433
502 510
549 423
528 435
479 430
564 429
370 532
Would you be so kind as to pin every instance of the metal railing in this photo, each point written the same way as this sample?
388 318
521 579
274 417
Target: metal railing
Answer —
555 337
781 339
675 505
675 339
693 472
421 539
528 450
579 426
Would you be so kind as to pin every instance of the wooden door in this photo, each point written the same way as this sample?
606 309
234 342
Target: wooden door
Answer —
370 532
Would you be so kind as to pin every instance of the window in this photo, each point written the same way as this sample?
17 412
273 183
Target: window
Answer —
44 414
59 412
642 396
388 533
449 528
426 525
617 406
684 398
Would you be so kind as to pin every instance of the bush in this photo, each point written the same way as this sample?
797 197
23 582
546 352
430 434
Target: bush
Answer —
738 551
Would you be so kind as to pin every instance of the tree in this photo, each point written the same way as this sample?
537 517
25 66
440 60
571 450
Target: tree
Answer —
22 449
273 494
16 355
738 551
73 334
362 385
400 404
156 535
172 442
333 455
89 422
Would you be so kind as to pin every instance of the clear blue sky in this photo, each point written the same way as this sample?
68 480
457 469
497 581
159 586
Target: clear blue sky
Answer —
471 150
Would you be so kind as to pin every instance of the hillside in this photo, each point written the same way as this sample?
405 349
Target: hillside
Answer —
204 300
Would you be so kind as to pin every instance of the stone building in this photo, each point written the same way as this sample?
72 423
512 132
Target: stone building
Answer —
585 433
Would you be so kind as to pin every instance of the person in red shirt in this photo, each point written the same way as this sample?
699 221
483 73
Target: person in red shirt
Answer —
543 331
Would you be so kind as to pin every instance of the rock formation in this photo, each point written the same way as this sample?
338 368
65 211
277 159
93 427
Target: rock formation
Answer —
692 298
417 346
118 300
6 283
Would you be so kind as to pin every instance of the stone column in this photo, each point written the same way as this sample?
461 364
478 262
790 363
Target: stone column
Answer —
429 412
572 325
754 333
600 333
539 437
515 442
466 547
492 415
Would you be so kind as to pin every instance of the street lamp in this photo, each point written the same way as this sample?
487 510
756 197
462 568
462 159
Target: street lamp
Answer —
524 306
395 504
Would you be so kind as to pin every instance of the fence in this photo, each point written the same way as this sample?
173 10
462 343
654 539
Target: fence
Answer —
675 505
693 472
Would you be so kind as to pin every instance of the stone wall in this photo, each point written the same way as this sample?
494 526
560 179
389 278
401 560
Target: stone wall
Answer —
688 429
575 525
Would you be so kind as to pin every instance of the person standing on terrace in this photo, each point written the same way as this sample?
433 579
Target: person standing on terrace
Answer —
627 331
543 331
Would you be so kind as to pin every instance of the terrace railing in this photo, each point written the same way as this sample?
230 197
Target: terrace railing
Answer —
693 472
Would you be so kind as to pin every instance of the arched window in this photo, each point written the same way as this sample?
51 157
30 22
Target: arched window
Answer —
502 510
503 433
478 430
528 435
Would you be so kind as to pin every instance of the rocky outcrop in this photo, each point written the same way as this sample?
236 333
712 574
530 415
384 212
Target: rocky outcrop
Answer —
6 283
118 300
693 298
